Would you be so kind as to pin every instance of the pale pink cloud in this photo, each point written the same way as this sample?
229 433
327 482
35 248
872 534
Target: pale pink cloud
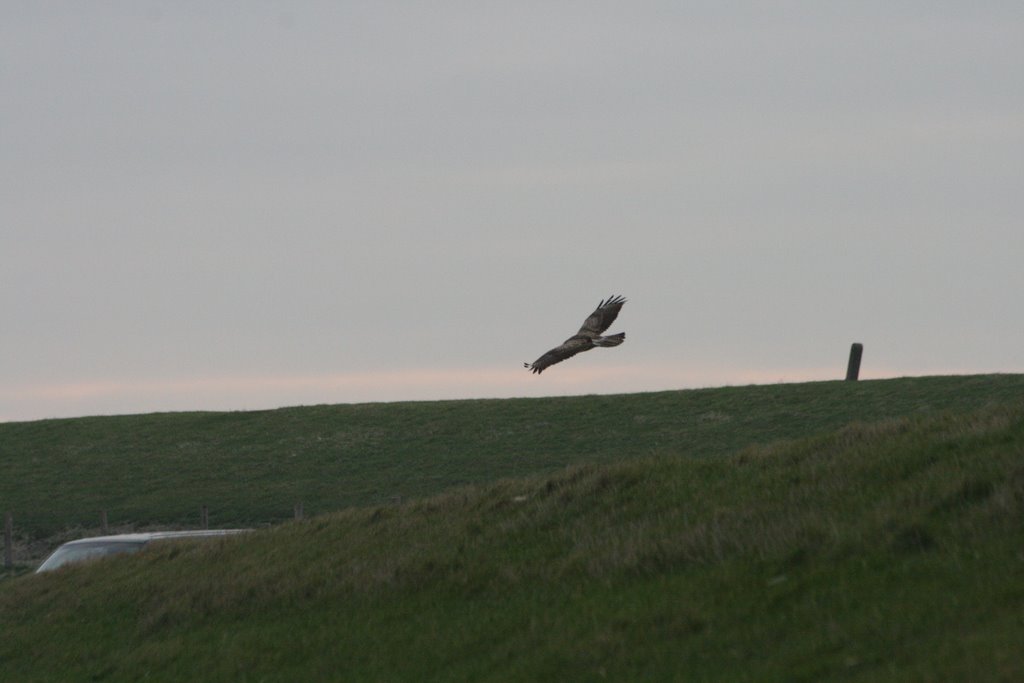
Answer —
250 392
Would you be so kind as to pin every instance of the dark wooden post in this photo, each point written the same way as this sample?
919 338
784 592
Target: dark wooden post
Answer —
204 517
8 540
298 511
853 367
103 522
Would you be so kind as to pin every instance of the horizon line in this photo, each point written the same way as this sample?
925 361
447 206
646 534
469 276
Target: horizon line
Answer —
248 392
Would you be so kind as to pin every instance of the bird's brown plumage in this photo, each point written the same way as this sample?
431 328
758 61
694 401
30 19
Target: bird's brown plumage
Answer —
588 336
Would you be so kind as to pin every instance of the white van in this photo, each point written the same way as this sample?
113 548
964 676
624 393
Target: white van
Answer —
100 546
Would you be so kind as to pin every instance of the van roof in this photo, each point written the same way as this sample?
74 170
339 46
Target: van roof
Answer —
143 537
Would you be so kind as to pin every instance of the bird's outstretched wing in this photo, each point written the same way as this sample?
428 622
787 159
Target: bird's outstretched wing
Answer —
569 348
603 316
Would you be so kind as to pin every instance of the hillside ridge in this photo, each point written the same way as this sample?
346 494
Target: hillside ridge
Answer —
884 550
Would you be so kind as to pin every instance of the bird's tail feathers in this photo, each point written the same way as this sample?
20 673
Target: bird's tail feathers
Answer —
610 340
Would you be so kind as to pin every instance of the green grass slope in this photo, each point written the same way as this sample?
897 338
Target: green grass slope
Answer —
888 549
250 468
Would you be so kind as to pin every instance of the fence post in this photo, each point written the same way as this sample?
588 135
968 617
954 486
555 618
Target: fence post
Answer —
204 517
103 522
298 510
853 367
8 540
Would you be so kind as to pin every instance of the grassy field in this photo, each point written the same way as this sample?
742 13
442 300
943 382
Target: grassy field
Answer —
826 531
250 468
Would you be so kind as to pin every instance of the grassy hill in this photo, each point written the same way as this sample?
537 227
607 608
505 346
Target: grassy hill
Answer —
825 531
250 468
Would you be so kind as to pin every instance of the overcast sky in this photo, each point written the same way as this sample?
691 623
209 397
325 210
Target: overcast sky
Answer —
242 205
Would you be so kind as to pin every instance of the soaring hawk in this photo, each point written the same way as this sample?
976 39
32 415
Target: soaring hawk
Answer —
587 338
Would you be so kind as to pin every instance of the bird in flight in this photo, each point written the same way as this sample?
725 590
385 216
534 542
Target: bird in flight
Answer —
587 338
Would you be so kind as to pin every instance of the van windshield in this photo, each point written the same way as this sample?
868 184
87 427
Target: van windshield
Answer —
88 551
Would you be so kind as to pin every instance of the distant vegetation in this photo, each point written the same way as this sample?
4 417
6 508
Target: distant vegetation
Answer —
864 531
251 468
